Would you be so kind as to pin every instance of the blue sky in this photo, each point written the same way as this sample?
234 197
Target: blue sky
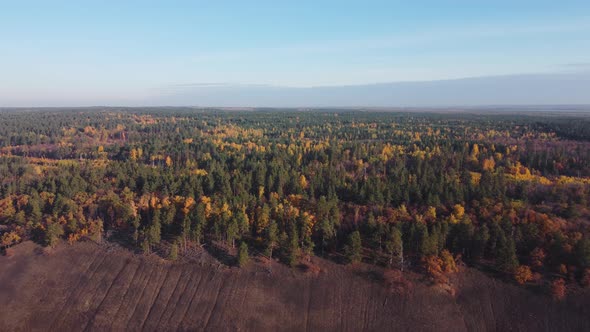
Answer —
135 52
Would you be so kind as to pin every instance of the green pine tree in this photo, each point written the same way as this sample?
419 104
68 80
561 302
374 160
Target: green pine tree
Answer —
243 257
353 248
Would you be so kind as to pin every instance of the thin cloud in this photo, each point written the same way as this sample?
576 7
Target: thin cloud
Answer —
200 85
400 41
523 89
577 65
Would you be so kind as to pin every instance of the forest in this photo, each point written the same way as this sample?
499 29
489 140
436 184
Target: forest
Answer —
422 191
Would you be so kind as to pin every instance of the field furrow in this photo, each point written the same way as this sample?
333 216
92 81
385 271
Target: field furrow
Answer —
174 303
107 309
118 291
167 288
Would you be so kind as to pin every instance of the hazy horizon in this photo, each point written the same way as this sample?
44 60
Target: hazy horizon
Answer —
509 90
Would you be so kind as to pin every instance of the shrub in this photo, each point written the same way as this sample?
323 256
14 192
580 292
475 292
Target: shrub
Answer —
558 289
523 274
396 283
434 268
448 262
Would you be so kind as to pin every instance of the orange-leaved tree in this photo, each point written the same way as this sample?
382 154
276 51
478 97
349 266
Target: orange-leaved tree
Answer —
523 274
558 289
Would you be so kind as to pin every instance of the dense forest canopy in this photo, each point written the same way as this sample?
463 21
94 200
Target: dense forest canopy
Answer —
400 190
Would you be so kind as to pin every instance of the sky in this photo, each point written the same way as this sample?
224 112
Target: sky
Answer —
222 53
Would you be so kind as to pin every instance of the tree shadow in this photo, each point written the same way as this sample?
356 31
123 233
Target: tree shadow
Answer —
221 254
371 275
122 239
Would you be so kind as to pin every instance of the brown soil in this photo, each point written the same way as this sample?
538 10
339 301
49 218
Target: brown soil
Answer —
91 287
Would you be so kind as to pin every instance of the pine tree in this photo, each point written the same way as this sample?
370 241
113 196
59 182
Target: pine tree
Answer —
232 232
272 236
52 234
354 247
394 246
145 246
173 252
243 254
293 248
582 252
480 241
506 259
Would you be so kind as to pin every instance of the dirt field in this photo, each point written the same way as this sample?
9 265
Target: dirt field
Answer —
88 287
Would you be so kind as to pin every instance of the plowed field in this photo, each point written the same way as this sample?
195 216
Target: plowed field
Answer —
86 287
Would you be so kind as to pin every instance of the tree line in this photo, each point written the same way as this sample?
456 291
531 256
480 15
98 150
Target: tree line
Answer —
394 189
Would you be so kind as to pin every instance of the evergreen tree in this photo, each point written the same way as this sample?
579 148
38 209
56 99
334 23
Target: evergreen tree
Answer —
173 252
243 254
52 234
354 247
293 248
272 237
394 246
582 252
506 259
